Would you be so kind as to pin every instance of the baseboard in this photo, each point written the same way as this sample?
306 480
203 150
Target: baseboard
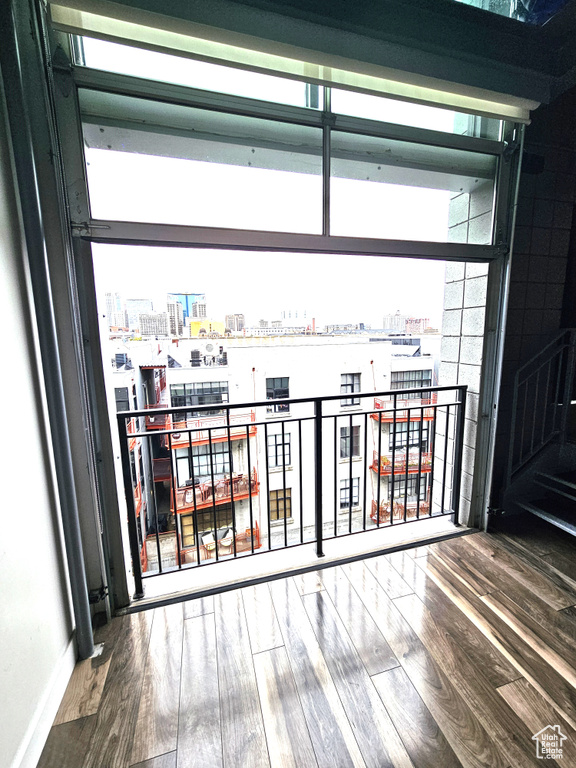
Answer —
33 742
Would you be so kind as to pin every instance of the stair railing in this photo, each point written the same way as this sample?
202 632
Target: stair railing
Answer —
541 401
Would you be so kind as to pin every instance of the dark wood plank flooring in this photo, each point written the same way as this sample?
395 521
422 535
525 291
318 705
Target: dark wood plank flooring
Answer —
454 654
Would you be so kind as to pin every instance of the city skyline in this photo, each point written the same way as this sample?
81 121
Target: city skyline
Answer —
332 289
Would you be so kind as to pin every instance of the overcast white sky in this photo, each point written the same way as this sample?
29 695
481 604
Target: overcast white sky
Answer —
333 289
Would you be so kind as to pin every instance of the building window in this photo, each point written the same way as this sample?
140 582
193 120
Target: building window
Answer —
401 436
350 382
345 492
400 488
349 444
280 504
205 518
411 380
279 453
201 462
122 399
276 389
200 393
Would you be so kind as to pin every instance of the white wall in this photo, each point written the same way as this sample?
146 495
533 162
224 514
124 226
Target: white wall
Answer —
36 655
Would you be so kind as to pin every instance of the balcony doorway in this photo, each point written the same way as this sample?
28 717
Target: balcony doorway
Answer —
326 217
226 384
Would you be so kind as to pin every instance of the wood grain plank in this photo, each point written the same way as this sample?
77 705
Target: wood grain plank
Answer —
198 607
524 596
498 720
82 696
420 733
330 731
199 731
538 537
388 577
565 564
469 638
84 691
537 713
464 566
369 642
156 731
111 741
308 582
467 737
546 582
529 664
560 655
162 761
375 733
263 628
243 738
289 744
67 744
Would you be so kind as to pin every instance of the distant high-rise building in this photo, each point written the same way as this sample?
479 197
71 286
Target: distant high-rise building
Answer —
417 324
188 300
154 324
116 311
396 323
198 309
176 315
235 322
135 308
263 324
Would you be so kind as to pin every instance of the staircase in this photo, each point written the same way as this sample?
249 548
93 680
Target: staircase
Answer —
557 499
541 472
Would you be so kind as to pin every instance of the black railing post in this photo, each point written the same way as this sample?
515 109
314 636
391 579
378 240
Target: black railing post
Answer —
318 474
132 530
458 448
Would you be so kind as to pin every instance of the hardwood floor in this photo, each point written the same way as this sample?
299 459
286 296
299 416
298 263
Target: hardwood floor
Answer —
454 654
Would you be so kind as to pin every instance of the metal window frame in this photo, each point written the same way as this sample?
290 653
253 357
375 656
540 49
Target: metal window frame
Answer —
87 230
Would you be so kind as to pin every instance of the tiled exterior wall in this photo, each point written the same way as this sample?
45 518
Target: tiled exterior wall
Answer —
544 227
470 219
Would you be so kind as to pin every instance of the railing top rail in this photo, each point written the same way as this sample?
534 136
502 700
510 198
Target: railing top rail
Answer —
392 394
568 334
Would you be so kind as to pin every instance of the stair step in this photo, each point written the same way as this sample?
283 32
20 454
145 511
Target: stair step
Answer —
563 483
559 513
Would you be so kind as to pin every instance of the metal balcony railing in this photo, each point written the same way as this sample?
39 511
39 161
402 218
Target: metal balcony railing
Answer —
541 400
241 483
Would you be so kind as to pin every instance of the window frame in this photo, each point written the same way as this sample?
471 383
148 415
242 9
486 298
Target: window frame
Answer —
350 383
350 445
274 389
90 231
274 499
345 493
279 448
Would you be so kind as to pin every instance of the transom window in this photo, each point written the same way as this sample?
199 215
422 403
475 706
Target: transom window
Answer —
350 382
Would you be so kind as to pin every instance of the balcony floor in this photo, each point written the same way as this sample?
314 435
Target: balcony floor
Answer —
452 654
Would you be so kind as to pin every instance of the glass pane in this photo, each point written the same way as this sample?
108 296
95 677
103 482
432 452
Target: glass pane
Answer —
414 115
168 164
179 70
403 191
529 12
